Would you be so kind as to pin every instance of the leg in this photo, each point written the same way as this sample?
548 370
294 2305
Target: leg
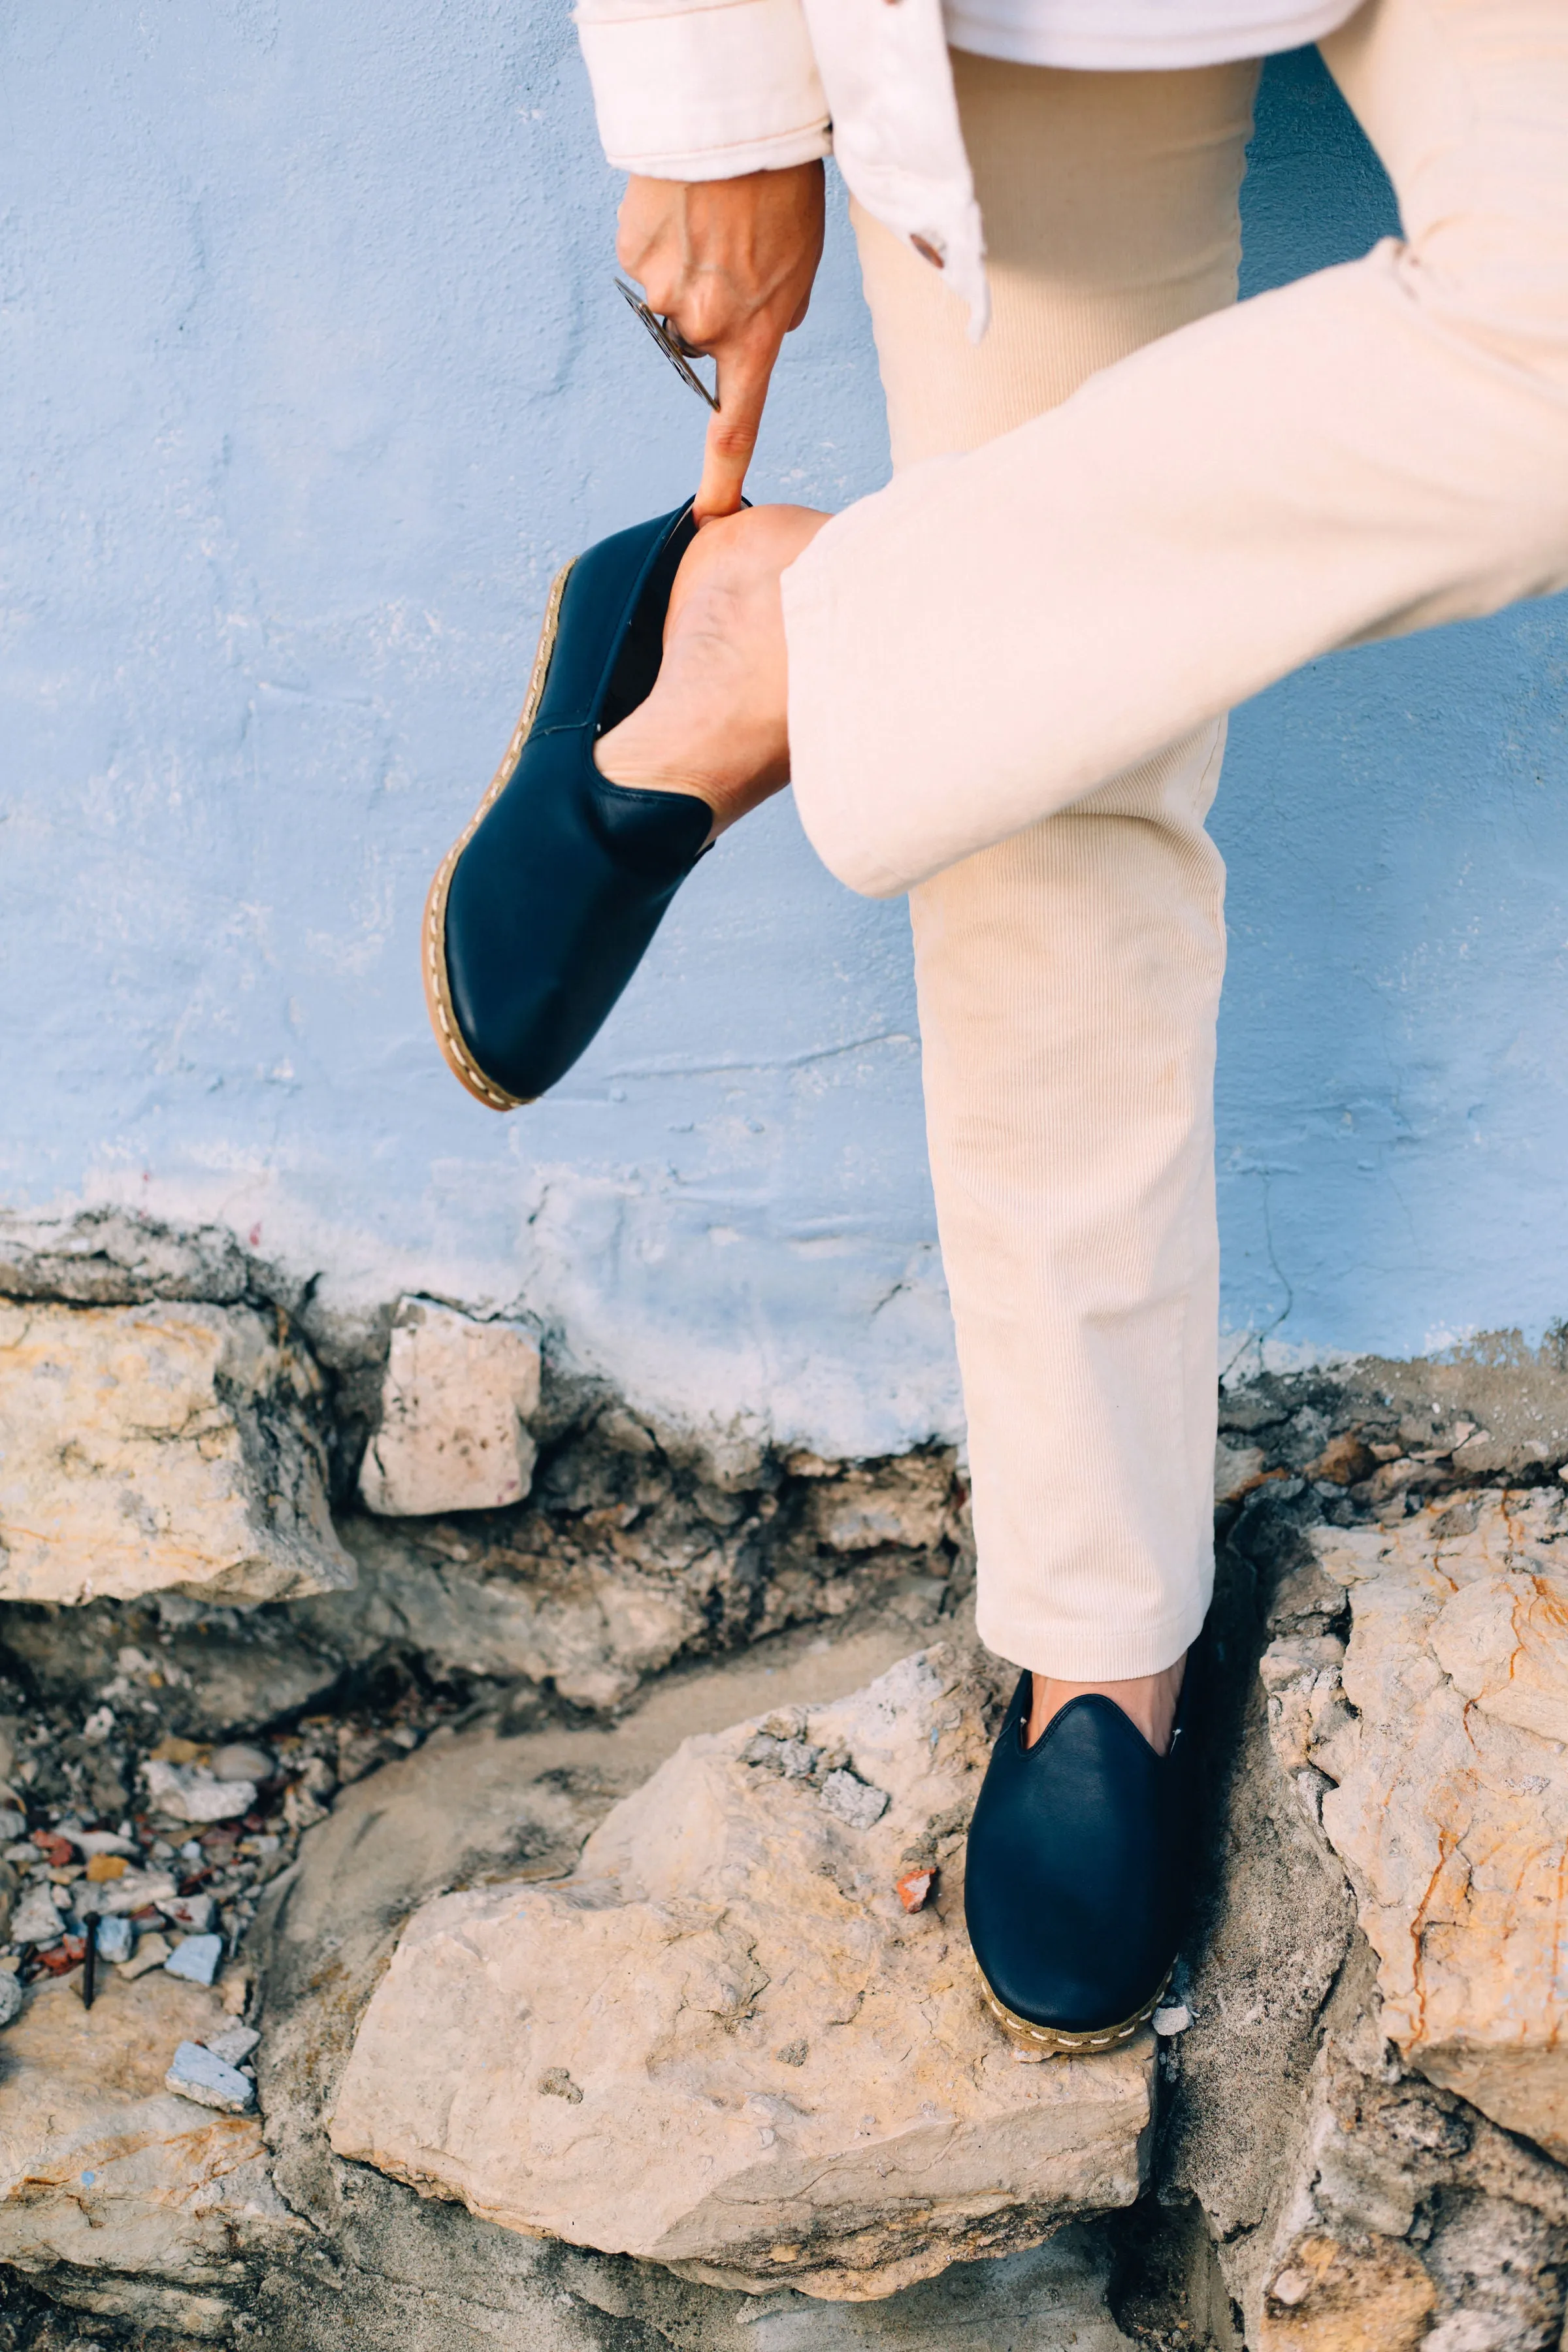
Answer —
1068 977
1373 449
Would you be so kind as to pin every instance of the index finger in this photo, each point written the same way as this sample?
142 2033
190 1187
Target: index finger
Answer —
745 372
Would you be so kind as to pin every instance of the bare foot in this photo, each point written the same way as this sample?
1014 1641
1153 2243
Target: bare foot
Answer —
716 724
1149 1700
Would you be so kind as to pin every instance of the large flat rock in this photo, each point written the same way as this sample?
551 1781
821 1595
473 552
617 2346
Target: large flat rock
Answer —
104 2170
722 2043
157 1446
1444 1730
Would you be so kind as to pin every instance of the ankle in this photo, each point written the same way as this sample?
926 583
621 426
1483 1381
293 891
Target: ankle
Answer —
1149 1701
645 753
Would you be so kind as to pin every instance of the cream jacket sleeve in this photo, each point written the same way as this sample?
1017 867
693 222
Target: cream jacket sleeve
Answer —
703 89
706 90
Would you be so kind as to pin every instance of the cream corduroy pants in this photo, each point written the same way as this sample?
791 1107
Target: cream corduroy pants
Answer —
1068 977
1008 673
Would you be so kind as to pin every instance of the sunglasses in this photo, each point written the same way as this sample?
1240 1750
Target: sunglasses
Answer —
679 354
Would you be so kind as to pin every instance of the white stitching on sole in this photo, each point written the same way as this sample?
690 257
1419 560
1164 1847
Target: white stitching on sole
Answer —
1054 2043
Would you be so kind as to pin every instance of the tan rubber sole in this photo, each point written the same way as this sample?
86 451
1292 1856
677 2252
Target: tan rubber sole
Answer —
1045 2041
438 990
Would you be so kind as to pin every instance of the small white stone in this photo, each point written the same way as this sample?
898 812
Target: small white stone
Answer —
36 1921
217 1800
193 1913
11 1999
197 2073
115 1938
196 1958
151 1953
91 1842
1171 2020
238 1760
852 1801
134 1891
234 2044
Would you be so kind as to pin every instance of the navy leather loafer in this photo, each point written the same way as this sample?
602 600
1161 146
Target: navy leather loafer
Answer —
541 913
1077 1873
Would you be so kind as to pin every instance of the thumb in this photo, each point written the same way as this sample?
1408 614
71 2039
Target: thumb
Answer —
745 371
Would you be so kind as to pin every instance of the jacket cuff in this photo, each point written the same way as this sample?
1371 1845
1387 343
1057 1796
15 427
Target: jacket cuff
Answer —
703 92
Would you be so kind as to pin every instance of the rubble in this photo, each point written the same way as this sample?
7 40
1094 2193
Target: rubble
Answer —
1326 2161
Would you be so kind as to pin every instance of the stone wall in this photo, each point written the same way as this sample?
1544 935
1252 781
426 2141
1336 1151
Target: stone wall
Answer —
581 1867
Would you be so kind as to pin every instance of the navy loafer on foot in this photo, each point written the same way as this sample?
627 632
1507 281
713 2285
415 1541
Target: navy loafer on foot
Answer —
542 911
1077 1873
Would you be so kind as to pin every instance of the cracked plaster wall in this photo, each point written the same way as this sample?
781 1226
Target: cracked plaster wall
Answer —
315 370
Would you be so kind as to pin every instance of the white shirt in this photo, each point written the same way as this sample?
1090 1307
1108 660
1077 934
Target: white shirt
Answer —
1118 36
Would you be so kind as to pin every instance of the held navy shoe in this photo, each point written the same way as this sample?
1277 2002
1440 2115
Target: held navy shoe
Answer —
542 911
1077 1873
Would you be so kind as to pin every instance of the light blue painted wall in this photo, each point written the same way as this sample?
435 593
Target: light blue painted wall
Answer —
314 372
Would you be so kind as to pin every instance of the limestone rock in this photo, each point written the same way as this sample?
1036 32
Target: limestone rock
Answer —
454 1402
112 1257
1438 1751
1403 2216
104 2169
1376 2297
470 1807
159 1446
618 1562
592 1625
905 1501
804 2088
1236 1470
